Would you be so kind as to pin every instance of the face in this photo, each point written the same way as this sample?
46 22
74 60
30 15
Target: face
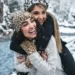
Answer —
29 28
39 14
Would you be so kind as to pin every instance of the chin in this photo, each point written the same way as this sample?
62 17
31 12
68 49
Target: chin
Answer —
34 36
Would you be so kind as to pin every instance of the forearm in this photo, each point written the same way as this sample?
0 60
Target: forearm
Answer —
43 65
19 64
22 67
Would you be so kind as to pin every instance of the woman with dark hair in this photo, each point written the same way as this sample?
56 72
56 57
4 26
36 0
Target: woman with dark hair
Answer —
48 27
33 61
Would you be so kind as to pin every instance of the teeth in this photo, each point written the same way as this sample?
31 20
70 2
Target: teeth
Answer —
32 31
41 22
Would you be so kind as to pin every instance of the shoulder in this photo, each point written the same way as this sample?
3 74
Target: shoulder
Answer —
50 14
52 42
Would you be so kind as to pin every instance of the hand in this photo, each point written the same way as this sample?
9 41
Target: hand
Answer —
20 59
44 55
28 46
28 63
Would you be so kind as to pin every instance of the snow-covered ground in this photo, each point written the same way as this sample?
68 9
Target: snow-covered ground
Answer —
6 58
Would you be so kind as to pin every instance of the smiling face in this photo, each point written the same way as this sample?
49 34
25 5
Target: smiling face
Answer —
39 13
24 22
29 28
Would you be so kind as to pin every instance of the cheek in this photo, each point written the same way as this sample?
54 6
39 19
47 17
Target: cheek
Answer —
25 31
35 24
35 17
44 17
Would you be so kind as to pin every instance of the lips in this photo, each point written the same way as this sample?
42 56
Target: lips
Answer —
32 31
41 21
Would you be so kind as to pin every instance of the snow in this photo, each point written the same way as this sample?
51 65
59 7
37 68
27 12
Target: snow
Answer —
67 30
6 58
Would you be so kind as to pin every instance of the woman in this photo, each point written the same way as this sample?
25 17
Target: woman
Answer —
48 27
32 61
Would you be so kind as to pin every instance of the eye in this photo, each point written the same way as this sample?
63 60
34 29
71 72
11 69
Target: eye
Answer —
35 13
24 24
43 12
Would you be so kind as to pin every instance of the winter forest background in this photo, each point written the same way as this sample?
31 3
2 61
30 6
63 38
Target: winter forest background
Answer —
64 10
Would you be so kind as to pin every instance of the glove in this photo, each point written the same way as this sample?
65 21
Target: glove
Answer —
28 46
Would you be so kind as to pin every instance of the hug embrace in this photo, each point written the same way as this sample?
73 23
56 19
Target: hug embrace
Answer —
38 49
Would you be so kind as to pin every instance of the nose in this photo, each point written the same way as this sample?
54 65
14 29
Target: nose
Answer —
40 16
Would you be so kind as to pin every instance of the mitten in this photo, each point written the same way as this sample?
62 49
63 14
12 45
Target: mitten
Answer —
28 46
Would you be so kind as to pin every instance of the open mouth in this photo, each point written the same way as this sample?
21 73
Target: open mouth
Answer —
32 31
41 21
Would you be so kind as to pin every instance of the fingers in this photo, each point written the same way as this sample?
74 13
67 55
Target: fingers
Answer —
44 55
28 63
20 59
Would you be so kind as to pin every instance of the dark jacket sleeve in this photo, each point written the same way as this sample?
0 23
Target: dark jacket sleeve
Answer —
67 60
15 46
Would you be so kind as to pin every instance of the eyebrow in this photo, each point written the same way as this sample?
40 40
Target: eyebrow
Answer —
23 22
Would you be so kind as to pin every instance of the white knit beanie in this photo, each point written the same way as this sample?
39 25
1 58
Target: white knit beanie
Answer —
18 18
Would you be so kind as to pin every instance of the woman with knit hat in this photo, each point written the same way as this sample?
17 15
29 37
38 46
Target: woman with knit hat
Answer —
48 27
32 62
